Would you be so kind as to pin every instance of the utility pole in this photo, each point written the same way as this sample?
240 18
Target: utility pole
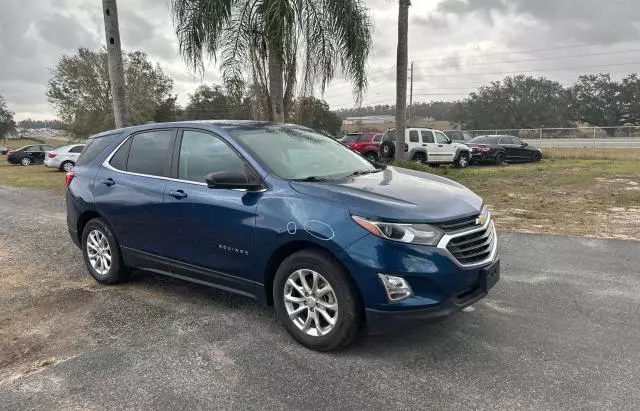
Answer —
411 98
114 55
401 77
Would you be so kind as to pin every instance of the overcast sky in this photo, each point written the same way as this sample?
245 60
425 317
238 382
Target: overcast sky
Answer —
457 45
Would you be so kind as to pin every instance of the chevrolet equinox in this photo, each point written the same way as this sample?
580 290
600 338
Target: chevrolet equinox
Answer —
286 216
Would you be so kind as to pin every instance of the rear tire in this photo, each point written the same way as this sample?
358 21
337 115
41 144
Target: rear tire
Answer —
462 161
305 313
420 158
67 166
499 158
101 253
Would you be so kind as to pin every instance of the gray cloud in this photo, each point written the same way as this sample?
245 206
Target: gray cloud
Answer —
457 45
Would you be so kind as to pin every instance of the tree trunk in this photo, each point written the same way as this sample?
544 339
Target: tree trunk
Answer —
276 86
116 70
401 79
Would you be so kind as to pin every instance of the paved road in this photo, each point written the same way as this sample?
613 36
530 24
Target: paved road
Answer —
560 331
617 142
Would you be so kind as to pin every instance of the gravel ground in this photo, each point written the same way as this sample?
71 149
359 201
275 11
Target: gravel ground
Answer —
560 331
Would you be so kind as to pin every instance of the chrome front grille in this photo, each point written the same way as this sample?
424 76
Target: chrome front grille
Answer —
458 225
471 247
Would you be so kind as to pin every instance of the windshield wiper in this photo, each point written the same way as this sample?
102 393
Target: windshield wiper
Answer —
364 172
311 179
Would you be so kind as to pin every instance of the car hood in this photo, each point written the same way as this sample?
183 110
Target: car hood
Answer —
398 195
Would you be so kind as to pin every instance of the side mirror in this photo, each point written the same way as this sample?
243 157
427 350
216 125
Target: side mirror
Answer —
244 180
525 145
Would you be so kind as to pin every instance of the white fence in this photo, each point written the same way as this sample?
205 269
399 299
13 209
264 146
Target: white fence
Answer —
581 137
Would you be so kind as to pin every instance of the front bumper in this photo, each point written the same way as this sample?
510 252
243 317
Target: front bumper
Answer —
440 283
383 320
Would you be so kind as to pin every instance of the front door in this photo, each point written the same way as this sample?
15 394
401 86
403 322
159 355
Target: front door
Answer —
511 149
443 148
36 153
129 191
210 228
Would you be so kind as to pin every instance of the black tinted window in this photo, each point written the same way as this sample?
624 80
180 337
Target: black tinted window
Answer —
203 153
506 140
119 159
479 140
413 136
427 136
94 147
76 149
389 135
351 138
149 153
493 140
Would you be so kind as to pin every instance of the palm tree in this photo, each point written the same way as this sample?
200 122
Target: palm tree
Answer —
271 39
401 79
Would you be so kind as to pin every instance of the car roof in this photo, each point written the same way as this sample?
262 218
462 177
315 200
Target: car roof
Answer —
221 124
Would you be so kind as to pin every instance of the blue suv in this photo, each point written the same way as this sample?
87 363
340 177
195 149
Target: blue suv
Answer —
286 216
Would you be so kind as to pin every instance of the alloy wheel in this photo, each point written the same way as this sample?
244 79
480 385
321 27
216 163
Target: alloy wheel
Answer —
99 252
311 302
463 161
25 161
67 166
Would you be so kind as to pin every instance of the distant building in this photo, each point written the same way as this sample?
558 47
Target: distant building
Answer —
370 120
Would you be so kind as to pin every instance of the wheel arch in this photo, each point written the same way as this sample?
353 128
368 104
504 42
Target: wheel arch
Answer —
84 218
287 249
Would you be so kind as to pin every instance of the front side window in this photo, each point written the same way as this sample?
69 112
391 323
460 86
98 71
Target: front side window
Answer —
427 136
149 153
441 138
293 153
203 153
413 136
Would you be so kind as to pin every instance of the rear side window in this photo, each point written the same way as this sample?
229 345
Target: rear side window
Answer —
149 153
119 159
94 147
413 136
76 149
364 138
506 140
427 137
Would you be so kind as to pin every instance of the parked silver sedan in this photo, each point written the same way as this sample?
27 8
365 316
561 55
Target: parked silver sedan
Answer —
64 158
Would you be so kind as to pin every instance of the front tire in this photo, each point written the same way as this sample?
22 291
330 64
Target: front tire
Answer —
537 157
67 166
25 161
101 253
316 301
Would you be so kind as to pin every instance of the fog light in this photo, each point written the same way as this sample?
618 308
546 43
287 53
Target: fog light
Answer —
397 288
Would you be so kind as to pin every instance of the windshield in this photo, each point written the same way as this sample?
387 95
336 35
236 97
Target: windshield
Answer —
297 153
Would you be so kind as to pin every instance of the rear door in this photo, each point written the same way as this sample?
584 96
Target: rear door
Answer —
429 143
414 139
36 153
129 190
210 228
74 153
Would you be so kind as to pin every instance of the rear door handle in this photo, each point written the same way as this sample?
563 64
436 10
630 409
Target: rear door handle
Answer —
440 145
178 194
424 145
107 182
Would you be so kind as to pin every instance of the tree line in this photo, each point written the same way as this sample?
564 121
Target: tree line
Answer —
79 90
527 102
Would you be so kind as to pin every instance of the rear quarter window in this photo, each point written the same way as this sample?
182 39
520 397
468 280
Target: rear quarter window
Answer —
94 147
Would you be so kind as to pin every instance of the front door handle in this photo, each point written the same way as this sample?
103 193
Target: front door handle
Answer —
424 145
178 194
107 182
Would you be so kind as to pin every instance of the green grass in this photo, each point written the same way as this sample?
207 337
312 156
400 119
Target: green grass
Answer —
35 176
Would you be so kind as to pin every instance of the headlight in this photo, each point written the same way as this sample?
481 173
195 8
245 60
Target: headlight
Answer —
405 233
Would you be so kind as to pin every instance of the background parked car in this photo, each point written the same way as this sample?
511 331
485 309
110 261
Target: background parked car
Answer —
364 144
499 148
28 155
459 136
428 146
64 158
3 150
